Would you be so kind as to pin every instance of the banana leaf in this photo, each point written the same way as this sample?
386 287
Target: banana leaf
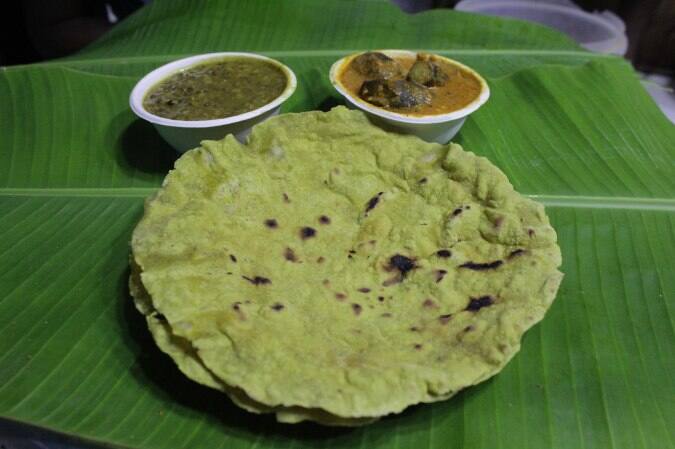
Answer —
570 128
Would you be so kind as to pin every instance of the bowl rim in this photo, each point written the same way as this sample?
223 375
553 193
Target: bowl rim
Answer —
404 118
152 78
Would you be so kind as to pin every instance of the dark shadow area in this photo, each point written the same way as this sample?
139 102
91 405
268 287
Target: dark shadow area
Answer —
156 368
329 103
18 435
139 146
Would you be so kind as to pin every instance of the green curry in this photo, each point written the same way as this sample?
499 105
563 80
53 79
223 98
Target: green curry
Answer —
216 89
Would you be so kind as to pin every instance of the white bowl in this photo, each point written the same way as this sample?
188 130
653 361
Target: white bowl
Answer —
600 32
438 128
186 134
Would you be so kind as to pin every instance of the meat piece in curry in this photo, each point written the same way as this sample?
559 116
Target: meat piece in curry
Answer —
375 65
398 93
426 71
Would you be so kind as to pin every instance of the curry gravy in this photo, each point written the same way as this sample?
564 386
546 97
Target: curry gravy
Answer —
461 88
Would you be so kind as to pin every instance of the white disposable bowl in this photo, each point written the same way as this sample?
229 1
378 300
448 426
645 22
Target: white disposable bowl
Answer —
438 128
186 134
600 32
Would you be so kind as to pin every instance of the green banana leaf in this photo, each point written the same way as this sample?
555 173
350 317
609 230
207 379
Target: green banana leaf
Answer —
572 129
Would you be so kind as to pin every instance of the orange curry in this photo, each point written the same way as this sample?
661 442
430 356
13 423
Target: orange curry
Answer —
461 88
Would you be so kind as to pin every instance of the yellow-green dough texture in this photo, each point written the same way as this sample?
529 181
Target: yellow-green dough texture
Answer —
331 271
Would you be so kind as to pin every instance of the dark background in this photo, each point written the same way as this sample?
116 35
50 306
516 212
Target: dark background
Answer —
650 26
36 30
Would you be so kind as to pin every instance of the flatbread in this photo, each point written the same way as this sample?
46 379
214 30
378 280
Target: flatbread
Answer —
329 269
187 360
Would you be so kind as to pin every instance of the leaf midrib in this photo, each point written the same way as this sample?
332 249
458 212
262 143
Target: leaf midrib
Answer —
571 201
309 53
